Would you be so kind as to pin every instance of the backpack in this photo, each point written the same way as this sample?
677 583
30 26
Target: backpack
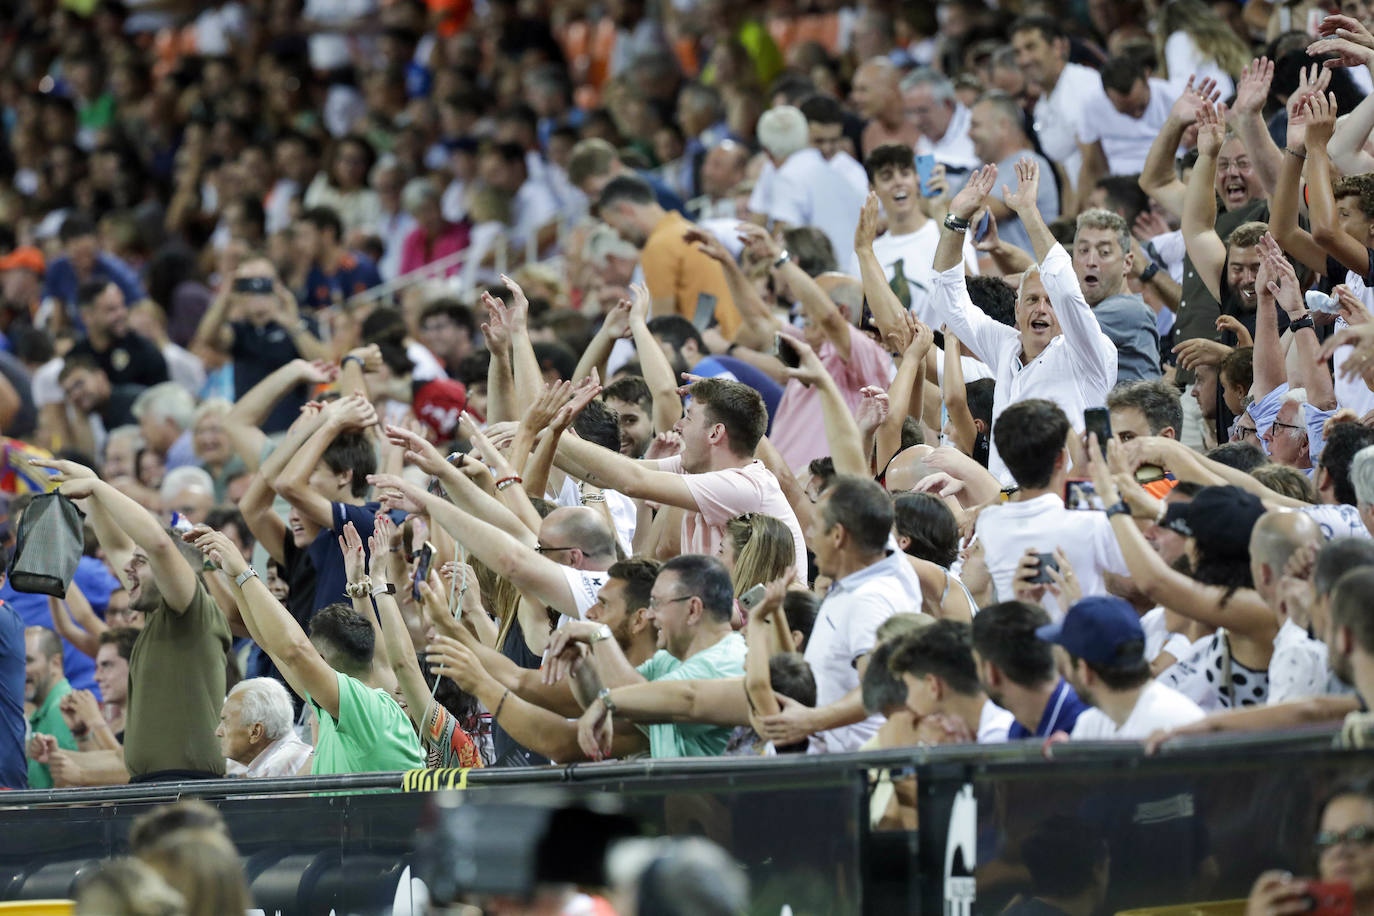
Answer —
49 544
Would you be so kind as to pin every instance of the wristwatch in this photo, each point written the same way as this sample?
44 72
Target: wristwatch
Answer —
602 632
1304 322
1148 273
1119 508
249 573
605 697
782 259
383 588
957 223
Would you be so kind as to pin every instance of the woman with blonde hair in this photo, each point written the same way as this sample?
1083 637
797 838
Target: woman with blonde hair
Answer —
757 549
1192 40
127 887
204 867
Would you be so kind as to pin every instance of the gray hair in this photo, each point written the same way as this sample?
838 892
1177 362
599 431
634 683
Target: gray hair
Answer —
939 84
1021 287
1298 396
417 193
782 131
188 477
603 242
1362 475
166 401
127 431
1105 219
1006 106
211 407
264 700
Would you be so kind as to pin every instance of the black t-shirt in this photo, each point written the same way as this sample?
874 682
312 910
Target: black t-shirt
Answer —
130 360
257 353
508 753
119 409
1199 310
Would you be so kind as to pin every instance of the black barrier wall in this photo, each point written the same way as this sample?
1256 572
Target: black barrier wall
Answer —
1198 823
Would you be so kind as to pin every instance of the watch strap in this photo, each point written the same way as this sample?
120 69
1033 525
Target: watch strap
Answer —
957 223
602 632
1120 508
604 695
249 573
383 588
1304 322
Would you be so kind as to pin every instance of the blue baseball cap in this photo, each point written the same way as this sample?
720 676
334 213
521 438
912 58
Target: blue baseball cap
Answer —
1095 630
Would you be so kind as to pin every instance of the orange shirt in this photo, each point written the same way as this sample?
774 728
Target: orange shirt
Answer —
675 268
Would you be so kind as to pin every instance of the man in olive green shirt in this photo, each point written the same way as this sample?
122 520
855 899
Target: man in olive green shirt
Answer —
44 688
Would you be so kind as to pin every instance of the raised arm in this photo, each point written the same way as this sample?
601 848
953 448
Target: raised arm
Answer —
1350 39
615 324
352 412
841 431
1310 370
174 576
508 490
275 630
1200 204
1159 176
1247 119
955 394
86 635
886 307
500 379
815 304
758 322
213 334
653 363
1283 206
1320 112
907 386
528 378
764 644
1269 370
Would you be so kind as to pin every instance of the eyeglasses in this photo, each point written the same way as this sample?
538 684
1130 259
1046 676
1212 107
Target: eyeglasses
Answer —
542 549
1243 431
1359 835
1279 425
656 603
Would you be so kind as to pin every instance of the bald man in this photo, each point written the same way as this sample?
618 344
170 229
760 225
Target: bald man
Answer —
876 95
1298 667
908 468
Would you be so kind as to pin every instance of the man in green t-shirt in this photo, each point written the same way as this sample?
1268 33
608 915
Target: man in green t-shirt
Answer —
44 687
362 727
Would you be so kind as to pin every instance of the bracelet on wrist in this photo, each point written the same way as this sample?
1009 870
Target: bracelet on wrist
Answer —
506 482
360 589
956 223
350 358
1293 152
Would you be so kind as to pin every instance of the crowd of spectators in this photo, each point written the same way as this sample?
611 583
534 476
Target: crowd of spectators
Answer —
504 384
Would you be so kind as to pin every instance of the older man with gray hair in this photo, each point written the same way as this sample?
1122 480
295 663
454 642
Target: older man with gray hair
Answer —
1362 477
255 731
930 105
165 414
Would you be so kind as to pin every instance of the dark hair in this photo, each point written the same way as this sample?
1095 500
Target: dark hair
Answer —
75 362
632 389
1120 74
76 226
385 324
599 424
164 820
994 296
791 677
472 369
811 249
863 507
88 292
1124 194
801 608
557 356
1243 456
944 649
627 188
220 516
352 451
346 632
1123 677
325 219
824 468
737 407
676 330
1337 557
1046 26
1239 367
1004 634
705 578
395 358
1350 605
638 574
929 523
889 155
172 265
880 688
822 109
459 313
122 638
1060 854
1030 435
980 394
1156 399
1342 442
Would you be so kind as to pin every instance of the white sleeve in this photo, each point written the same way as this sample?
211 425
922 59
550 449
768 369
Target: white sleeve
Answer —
950 300
1093 351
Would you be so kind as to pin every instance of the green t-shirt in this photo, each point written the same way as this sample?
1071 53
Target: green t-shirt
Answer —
372 734
724 659
47 720
176 689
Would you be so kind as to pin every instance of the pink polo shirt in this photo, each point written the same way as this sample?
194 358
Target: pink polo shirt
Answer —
417 250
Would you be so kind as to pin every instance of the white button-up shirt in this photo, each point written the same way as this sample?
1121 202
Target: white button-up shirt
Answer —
287 756
846 629
1075 371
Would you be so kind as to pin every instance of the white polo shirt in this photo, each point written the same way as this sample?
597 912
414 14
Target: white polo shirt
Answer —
808 191
1125 140
1075 371
846 629
1059 114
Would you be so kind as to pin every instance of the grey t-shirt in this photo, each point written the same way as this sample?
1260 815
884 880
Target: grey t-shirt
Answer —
1047 199
1131 325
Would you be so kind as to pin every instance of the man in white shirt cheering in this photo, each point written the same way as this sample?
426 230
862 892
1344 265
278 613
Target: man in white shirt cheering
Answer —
1057 350
1107 668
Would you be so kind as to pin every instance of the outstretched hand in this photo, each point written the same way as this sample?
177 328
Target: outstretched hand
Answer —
354 557
419 451
974 193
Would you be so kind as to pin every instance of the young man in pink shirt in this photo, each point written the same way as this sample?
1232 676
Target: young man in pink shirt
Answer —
715 477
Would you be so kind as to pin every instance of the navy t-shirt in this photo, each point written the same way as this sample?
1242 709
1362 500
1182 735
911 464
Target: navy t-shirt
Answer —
330 578
1060 714
14 765
257 353
96 582
356 273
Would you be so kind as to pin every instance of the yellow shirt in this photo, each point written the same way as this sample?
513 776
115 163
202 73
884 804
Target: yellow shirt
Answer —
675 268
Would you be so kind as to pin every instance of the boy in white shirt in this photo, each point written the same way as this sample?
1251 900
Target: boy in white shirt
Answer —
1107 668
936 664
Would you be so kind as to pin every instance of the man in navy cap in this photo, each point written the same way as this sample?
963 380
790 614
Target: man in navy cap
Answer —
1107 668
